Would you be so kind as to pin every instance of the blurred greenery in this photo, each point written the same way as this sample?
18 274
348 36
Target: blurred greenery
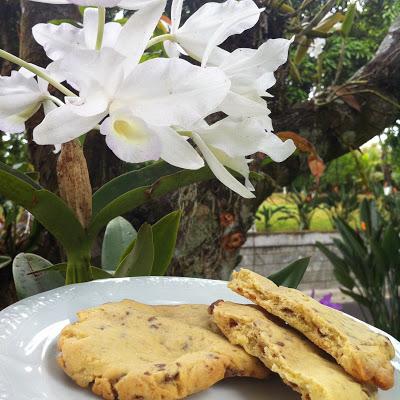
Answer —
372 20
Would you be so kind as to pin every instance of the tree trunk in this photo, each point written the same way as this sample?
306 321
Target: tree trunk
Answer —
10 13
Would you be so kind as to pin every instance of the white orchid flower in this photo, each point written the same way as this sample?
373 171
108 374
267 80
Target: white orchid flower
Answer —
130 40
228 18
317 47
127 4
228 142
20 97
251 73
143 105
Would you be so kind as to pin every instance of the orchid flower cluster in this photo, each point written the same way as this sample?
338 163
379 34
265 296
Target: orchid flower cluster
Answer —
156 109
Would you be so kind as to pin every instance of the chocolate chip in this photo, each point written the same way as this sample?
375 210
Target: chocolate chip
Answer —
169 377
160 367
212 306
232 323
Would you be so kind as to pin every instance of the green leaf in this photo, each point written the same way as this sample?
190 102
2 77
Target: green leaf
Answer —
139 261
129 181
302 48
294 72
4 261
98 273
119 234
28 284
291 275
49 209
357 297
165 233
65 21
349 19
19 175
138 196
341 270
351 238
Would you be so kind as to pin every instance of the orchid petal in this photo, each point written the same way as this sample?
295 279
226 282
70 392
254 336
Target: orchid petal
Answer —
167 92
58 40
225 30
20 98
176 150
90 26
171 49
201 26
235 138
52 1
238 164
176 14
219 170
62 125
82 67
240 106
130 138
267 58
139 4
136 33
112 31
98 3
277 149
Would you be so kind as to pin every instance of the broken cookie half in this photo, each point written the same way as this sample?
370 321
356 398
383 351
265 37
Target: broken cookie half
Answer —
300 364
363 353
132 351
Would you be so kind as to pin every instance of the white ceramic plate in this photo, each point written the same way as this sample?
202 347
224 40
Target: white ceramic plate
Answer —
29 330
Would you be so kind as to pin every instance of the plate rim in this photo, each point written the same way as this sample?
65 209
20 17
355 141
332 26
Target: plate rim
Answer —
31 299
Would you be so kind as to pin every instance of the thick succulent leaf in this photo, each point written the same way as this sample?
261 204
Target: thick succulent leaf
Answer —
137 196
61 267
129 181
4 261
119 234
139 261
165 233
291 275
46 207
28 284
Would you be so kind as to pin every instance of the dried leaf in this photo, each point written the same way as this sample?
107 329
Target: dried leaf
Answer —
344 93
316 165
301 143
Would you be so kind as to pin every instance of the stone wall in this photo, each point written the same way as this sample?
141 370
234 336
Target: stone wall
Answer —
268 253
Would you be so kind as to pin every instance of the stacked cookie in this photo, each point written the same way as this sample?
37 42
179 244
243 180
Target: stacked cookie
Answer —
320 352
128 350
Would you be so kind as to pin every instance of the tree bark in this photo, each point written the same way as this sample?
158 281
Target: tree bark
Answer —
10 13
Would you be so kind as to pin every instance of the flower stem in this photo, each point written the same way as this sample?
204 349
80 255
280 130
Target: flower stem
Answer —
100 27
37 71
159 39
55 100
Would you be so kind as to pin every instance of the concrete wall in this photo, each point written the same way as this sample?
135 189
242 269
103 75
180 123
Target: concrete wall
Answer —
268 253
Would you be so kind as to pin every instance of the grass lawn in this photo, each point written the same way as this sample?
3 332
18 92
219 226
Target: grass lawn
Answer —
319 222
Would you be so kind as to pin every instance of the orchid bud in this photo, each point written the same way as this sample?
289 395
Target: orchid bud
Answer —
73 181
